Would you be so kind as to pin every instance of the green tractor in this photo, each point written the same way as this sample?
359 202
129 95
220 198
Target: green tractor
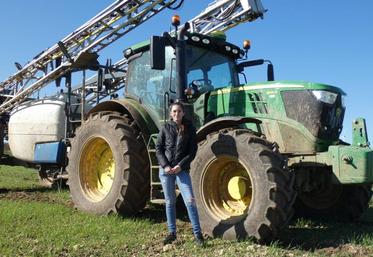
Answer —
265 149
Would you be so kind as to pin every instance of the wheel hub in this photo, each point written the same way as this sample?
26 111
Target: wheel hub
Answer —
237 188
227 188
97 169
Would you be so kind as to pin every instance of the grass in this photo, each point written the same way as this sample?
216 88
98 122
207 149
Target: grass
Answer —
18 177
35 221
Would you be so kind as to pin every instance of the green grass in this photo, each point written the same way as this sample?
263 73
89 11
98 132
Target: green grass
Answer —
35 221
18 177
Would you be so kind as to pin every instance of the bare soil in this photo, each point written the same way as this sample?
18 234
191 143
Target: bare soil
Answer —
35 195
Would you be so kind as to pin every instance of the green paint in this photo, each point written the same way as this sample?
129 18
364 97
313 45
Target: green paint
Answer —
359 133
141 110
137 48
265 102
351 164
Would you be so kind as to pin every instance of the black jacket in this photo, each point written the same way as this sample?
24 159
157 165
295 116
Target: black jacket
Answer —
173 148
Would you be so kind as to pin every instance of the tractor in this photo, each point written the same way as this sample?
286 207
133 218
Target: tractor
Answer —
265 150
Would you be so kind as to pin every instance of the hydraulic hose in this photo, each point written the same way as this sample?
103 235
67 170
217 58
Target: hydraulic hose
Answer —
177 6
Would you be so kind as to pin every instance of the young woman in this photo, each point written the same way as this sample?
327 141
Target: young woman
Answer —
176 148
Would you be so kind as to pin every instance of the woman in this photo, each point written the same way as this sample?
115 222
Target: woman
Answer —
176 148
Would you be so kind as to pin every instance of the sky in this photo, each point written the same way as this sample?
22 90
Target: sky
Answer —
317 41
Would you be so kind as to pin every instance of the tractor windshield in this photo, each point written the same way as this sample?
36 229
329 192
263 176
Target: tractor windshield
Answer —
207 70
210 70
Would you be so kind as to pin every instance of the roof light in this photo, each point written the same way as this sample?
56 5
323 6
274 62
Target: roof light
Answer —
206 41
235 51
175 20
196 38
228 48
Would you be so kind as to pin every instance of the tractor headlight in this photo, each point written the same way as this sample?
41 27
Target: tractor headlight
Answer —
325 96
196 38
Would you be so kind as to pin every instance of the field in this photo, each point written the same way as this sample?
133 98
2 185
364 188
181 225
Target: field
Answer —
35 221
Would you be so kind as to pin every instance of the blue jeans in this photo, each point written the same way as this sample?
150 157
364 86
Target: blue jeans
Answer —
185 186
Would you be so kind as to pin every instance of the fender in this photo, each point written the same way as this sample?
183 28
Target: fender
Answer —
224 122
132 107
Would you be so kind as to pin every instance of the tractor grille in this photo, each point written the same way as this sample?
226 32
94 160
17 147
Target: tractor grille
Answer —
323 120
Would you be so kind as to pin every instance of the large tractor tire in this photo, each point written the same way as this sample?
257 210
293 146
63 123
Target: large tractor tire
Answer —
242 187
108 166
334 202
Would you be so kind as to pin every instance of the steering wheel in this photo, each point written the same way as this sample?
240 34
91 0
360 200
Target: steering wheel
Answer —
201 85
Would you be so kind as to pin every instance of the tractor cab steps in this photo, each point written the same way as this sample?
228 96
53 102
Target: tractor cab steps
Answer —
156 192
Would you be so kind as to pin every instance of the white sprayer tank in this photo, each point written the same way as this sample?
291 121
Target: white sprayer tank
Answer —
34 122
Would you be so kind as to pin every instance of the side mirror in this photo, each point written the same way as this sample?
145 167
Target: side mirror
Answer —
157 53
270 72
250 63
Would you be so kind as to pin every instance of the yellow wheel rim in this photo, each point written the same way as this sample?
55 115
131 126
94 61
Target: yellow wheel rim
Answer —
96 169
227 188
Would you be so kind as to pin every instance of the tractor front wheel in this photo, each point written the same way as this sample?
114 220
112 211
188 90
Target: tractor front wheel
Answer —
334 202
241 186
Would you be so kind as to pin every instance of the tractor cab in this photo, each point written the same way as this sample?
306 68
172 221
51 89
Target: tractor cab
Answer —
210 64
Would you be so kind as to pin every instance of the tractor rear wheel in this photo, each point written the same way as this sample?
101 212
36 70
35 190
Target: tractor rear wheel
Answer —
108 166
334 202
242 187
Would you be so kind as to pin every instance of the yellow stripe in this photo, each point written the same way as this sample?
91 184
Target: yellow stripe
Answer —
244 88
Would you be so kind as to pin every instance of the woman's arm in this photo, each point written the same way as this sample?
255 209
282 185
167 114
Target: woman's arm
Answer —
160 149
192 149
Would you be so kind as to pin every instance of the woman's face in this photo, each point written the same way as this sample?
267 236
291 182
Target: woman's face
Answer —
177 113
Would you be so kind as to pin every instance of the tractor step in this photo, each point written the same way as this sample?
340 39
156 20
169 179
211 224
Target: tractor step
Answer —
158 201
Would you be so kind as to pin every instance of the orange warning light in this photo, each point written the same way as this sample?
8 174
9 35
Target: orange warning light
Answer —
246 44
176 20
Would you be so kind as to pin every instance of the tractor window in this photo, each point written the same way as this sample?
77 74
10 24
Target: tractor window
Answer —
149 85
212 70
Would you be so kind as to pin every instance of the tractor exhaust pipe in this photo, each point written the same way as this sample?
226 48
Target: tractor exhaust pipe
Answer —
181 64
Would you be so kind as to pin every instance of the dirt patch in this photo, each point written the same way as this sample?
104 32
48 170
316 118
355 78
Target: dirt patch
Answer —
346 250
35 196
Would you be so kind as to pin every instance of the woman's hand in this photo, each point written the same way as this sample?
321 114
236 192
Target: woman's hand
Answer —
176 169
168 169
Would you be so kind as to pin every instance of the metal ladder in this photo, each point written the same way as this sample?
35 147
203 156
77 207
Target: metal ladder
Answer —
71 52
156 193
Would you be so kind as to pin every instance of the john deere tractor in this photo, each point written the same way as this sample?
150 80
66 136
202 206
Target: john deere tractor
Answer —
265 149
